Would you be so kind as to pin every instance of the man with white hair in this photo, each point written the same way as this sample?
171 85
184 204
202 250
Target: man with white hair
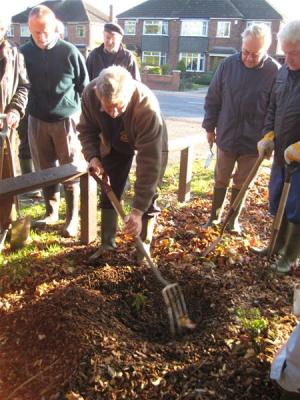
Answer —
13 99
235 108
115 99
57 75
282 132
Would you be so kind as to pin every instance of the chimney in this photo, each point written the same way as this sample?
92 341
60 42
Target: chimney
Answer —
111 13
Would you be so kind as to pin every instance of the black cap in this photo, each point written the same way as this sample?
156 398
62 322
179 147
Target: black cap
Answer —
112 27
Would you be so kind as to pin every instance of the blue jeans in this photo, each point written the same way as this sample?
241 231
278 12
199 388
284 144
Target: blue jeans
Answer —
292 208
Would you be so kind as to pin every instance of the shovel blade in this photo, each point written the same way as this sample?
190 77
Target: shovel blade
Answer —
176 307
20 232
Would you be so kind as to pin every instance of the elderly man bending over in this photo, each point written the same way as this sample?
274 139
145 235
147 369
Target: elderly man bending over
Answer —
120 116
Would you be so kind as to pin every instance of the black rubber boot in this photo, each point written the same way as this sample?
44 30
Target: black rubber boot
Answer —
233 224
290 252
109 225
72 211
217 207
52 199
279 242
148 224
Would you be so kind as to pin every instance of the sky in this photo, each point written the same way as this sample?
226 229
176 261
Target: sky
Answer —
291 8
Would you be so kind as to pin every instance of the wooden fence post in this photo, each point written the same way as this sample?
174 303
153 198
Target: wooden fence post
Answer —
88 208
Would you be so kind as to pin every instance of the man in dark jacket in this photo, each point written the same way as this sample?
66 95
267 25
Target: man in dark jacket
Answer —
115 99
282 129
111 52
235 108
58 75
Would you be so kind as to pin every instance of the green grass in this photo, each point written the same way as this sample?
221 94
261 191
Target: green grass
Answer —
45 245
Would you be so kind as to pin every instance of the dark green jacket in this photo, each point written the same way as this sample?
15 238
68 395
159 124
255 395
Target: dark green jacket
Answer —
57 76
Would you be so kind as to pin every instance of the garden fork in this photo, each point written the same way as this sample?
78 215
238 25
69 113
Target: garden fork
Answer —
172 294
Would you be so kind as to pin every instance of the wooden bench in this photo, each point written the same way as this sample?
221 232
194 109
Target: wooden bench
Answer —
88 192
186 146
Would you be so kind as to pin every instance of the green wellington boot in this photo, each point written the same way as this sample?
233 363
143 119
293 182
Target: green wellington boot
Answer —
233 224
279 242
72 211
217 207
291 250
109 224
52 200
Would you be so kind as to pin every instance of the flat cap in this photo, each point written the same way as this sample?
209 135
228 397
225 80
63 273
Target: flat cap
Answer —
112 27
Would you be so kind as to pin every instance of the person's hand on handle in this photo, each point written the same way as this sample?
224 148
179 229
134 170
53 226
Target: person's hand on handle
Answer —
211 138
96 167
13 119
292 153
265 146
133 222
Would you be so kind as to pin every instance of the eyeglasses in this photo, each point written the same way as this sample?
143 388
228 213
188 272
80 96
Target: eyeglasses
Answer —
249 54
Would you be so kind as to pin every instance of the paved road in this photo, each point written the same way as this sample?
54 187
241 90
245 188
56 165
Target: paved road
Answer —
186 105
184 112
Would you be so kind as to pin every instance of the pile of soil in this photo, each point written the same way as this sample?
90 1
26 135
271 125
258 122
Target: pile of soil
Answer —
70 330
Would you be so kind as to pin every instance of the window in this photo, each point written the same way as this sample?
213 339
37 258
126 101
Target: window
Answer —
80 31
194 27
223 29
10 31
194 62
25 32
129 27
155 28
154 58
259 22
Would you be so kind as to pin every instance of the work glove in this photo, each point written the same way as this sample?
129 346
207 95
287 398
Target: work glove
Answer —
292 153
266 145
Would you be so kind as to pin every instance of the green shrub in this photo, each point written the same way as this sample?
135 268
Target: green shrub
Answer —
166 69
181 66
152 69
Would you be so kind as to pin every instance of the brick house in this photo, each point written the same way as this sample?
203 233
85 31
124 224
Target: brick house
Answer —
83 23
199 32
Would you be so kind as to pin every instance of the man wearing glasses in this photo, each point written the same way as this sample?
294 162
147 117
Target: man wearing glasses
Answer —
235 108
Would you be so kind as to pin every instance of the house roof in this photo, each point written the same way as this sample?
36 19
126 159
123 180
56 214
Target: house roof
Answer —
67 11
246 9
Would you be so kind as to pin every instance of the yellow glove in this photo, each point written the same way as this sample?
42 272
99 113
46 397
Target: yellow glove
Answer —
266 145
292 153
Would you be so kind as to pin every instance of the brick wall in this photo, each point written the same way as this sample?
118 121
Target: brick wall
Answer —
162 82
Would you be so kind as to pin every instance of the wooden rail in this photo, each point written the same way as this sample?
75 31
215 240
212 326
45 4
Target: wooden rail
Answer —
35 180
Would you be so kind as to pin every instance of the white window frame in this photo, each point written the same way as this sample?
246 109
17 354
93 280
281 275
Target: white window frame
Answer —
268 23
10 31
223 29
80 31
198 57
24 30
162 57
130 27
194 27
162 26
